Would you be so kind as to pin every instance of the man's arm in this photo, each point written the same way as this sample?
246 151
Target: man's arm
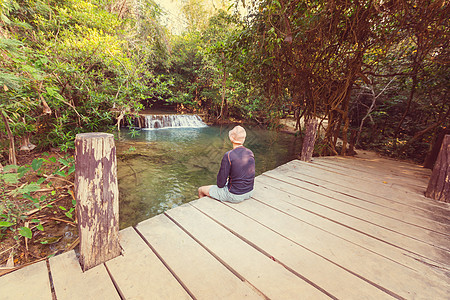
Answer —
224 171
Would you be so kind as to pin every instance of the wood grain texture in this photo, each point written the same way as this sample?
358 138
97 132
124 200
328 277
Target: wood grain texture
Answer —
140 274
31 282
72 283
97 195
309 140
334 228
201 273
439 184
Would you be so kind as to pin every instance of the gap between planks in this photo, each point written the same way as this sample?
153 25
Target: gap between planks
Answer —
383 206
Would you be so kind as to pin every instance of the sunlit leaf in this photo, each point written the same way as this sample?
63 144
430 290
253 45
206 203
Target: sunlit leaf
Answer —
5 224
10 178
60 173
71 169
29 188
64 162
8 168
26 232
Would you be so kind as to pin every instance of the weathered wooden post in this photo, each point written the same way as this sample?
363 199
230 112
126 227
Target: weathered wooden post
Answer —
310 139
439 184
97 195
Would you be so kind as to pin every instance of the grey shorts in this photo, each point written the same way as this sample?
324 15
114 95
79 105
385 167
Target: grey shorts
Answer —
223 194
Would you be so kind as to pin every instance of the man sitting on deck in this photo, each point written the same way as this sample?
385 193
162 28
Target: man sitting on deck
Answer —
237 172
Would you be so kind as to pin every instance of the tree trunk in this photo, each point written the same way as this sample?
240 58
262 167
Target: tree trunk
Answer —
432 156
309 140
12 149
97 196
223 107
439 184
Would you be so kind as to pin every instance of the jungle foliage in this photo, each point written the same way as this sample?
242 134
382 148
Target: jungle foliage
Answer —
375 72
71 66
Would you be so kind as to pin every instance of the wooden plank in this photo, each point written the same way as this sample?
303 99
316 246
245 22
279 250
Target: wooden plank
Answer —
385 179
383 272
416 175
138 262
380 177
31 282
330 277
381 193
198 270
272 279
373 223
331 221
387 169
358 187
395 167
71 283
381 205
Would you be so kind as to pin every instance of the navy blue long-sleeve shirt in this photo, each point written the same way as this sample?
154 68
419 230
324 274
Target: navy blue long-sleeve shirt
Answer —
238 167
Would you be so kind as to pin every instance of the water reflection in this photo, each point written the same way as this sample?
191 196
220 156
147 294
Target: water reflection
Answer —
161 169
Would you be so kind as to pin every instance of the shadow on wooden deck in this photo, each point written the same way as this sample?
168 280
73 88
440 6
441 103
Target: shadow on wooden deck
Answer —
350 228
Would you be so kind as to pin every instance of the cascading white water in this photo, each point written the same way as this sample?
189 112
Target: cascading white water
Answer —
173 121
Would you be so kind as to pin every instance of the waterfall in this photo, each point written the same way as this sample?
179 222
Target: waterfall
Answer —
173 121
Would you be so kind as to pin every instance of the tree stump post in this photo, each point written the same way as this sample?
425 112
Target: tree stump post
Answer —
309 140
97 196
439 184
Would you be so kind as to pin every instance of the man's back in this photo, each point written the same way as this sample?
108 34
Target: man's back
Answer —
238 165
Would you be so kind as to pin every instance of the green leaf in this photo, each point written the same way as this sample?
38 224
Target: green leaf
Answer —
32 187
71 169
26 232
11 178
37 74
52 159
64 162
28 196
40 227
62 207
36 164
22 171
60 173
5 224
35 221
9 168
41 180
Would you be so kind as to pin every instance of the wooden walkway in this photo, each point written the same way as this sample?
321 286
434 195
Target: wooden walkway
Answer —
342 228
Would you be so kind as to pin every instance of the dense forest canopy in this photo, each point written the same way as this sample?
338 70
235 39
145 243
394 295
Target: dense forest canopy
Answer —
376 73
